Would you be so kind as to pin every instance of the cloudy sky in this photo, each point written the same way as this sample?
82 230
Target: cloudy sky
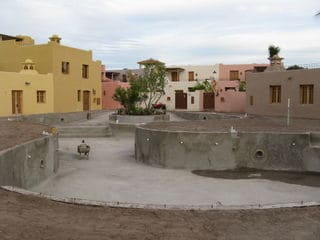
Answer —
122 32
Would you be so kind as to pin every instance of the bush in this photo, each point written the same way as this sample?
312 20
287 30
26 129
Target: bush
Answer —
294 67
242 87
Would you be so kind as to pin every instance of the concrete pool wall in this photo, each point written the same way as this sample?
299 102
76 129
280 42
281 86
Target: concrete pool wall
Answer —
135 119
221 150
30 163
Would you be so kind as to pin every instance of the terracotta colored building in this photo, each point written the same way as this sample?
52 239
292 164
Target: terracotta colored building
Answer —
108 87
230 95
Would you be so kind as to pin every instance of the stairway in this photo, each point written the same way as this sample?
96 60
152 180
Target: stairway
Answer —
81 131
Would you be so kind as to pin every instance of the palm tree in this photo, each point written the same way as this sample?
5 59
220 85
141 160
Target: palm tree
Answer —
273 50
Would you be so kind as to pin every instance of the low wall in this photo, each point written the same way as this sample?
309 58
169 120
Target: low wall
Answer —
58 118
28 164
205 115
139 118
221 151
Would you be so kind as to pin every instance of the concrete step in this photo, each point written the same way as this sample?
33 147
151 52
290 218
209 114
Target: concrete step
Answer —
84 131
315 140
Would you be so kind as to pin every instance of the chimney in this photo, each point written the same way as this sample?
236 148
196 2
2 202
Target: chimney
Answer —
55 38
275 64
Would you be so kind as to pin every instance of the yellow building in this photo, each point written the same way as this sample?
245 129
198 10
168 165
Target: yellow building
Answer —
75 83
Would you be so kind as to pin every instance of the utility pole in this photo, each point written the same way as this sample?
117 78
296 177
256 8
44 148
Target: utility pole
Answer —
288 114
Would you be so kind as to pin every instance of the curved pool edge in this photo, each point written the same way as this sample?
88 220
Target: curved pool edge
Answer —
213 206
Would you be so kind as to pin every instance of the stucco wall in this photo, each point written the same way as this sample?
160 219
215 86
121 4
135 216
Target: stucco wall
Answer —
108 89
224 70
28 164
17 81
219 151
258 86
48 58
170 91
229 100
201 72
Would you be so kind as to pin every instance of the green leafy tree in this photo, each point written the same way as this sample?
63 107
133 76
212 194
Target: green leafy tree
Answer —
242 86
205 85
152 84
273 50
128 97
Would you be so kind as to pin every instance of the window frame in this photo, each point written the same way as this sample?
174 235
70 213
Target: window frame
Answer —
41 96
191 73
79 95
231 73
275 94
65 67
85 71
306 94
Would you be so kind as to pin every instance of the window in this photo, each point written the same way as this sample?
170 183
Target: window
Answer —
192 99
174 76
85 71
65 67
251 100
234 75
79 96
104 92
98 101
275 94
191 76
41 96
306 94
124 78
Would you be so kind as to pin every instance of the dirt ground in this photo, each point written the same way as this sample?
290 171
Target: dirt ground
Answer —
16 132
29 217
244 124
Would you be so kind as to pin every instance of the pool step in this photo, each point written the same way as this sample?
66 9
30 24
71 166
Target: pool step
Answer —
315 140
79 131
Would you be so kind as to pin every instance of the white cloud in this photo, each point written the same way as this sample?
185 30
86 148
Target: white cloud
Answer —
121 32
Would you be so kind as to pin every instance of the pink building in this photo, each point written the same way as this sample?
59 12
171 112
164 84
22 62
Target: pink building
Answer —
108 89
231 72
228 98
230 87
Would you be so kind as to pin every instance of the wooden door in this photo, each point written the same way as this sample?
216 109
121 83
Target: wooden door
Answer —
208 101
16 101
86 100
181 101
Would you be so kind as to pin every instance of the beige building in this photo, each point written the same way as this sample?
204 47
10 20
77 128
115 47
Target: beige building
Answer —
269 92
76 78
179 81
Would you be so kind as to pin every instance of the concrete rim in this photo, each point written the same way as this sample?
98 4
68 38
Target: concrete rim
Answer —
214 206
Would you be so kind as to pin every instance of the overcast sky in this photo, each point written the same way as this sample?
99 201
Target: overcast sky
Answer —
122 32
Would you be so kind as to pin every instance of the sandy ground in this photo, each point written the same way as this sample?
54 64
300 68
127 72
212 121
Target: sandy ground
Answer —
28 217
